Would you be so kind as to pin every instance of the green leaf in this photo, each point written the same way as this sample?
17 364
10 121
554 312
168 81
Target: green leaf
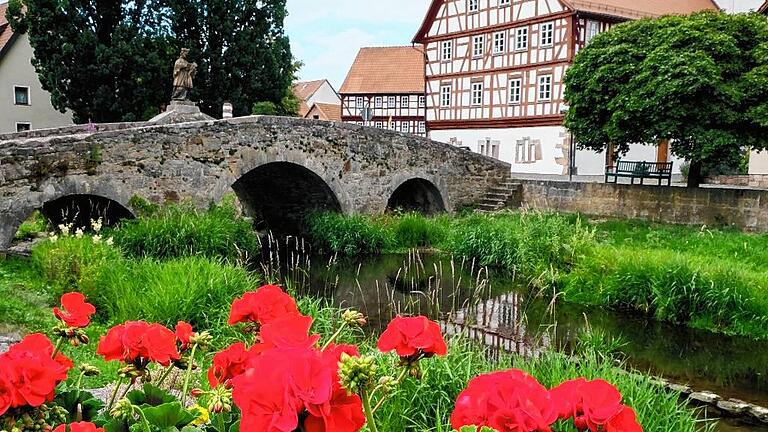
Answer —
84 402
168 415
235 427
151 395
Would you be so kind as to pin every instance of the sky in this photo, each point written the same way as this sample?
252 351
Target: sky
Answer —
326 35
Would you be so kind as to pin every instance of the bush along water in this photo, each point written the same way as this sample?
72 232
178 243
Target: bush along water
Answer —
283 377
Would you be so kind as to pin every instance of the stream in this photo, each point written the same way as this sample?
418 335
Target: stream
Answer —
514 320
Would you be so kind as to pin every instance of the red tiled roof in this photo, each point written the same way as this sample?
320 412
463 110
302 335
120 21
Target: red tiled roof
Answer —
386 70
305 89
5 28
623 9
329 112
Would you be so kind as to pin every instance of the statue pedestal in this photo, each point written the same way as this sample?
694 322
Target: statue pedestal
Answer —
180 111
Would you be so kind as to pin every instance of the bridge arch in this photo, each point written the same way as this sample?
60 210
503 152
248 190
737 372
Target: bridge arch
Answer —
417 194
280 195
80 209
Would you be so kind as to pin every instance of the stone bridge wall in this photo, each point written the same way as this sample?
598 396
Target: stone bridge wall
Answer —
202 160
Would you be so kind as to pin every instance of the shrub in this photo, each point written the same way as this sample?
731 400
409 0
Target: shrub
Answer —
181 230
348 235
30 228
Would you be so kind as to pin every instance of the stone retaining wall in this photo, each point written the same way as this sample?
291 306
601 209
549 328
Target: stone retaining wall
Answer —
753 180
740 208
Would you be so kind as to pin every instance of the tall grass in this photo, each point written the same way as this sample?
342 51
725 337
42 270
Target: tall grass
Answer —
348 235
35 225
182 230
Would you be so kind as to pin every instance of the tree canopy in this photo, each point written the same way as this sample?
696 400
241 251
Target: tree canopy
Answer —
112 61
700 81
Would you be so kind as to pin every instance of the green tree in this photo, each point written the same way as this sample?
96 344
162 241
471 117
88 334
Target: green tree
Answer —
699 81
112 61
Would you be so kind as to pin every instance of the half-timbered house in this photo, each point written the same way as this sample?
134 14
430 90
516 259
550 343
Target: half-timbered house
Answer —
385 89
494 74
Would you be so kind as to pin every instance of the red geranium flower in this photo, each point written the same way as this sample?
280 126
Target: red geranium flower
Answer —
413 337
624 421
7 392
75 311
262 306
591 404
506 401
184 334
231 362
139 342
79 427
289 331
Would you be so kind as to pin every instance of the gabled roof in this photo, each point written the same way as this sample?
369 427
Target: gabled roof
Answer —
6 33
305 89
329 112
621 9
386 70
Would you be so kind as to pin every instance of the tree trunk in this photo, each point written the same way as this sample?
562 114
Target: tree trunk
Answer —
694 174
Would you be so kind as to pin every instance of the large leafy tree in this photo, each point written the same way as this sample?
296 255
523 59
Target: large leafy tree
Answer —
111 60
700 81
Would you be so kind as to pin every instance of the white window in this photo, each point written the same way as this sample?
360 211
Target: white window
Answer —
422 101
500 42
547 34
405 102
21 95
478 46
477 93
379 125
521 39
422 127
23 126
445 96
473 5
515 90
359 103
504 3
447 50
545 87
379 102
593 29
391 101
405 127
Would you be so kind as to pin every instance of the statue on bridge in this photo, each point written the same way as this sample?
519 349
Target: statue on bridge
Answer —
183 73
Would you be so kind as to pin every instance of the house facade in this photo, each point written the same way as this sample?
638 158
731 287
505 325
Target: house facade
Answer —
495 70
24 105
315 92
385 89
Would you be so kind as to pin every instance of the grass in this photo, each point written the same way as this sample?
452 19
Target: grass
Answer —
34 225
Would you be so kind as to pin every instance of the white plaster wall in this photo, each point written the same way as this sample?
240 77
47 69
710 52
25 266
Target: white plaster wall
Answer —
758 162
16 70
325 94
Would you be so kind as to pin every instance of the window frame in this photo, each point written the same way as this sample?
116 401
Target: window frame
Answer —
550 32
405 126
500 42
405 101
378 102
422 101
518 93
505 3
446 50
476 45
446 97
359 103
391 102
27 124
473 6
28 95
539 92
524 31
422 127
472 100
379 124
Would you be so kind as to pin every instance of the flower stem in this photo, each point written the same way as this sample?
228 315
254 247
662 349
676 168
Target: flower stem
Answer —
367 411
57 347
188 375
334 336
164 375
220 419
144 420
114 393
397 383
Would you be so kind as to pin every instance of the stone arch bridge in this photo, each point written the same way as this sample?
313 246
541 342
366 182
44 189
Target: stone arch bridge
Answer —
279 168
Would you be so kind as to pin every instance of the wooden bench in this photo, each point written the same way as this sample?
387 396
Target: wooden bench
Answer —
640 170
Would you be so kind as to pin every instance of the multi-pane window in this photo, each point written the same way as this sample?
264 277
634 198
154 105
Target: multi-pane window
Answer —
422 127
499 42
359 103
515 90
21 95
391 101
422 101
405 127
545 87
379 125
379 102
447 50
445 96
473 5
521 39
478 45
405 102
546 33
477 93
504 2
593 29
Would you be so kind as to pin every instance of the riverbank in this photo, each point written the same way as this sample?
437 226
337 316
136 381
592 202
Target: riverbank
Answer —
704 277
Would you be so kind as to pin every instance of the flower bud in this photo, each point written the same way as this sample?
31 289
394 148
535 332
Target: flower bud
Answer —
83 338
353 318
357 374
89 370
123 410
196 392
202 339
388 384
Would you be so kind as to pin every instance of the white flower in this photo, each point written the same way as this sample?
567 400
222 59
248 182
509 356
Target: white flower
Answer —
110 241
79 233
53 238
96 225
96 238
64 229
